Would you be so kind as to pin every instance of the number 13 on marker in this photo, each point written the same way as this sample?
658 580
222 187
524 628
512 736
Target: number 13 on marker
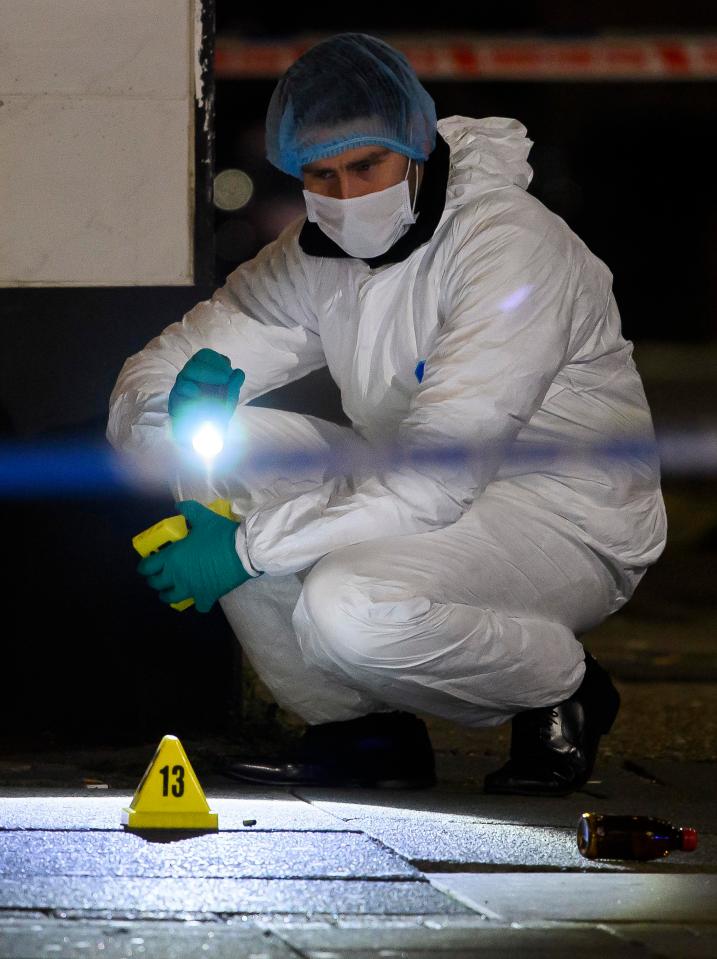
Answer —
169 795
177 787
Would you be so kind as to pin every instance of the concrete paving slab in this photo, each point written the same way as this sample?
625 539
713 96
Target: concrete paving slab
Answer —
463 920
272 855
561 942
675 942
413 939
460 937
431 847
585 897
121 897
55 939
76 810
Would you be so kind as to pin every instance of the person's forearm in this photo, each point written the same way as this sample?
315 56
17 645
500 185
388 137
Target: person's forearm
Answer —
294 534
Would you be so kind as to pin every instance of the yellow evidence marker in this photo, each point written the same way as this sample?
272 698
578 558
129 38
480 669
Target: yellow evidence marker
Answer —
169 530
169 795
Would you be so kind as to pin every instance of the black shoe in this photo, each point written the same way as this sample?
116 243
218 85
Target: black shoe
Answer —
553 748
381 751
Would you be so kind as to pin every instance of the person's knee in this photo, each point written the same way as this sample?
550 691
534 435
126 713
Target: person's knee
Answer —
328 615
353 618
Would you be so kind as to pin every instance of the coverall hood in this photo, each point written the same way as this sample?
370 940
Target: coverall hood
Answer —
485 154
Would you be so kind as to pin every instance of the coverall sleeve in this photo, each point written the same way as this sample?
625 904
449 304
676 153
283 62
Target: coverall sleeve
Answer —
507 298
261 319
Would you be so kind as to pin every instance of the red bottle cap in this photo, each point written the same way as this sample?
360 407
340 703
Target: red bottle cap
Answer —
689 839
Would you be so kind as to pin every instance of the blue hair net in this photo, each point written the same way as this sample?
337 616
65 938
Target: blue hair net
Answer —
349 91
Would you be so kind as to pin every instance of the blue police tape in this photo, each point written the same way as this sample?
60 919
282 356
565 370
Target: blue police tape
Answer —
58 467
69 468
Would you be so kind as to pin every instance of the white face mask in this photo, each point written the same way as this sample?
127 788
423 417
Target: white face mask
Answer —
364 226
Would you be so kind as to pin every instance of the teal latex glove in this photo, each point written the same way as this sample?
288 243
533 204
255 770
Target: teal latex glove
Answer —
206 388
204 565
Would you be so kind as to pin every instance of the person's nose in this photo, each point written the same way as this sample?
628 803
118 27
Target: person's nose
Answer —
343 187
347 186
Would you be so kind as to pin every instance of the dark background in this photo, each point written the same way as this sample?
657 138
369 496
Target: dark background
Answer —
630 166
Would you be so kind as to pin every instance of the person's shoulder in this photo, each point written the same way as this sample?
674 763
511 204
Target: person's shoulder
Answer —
277 259
507 216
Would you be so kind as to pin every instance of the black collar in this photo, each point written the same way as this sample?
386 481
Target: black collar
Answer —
430 204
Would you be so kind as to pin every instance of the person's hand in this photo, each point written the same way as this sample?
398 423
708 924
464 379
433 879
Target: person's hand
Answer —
206 388
203 566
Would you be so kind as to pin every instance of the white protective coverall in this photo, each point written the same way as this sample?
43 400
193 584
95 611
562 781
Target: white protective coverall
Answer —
454 587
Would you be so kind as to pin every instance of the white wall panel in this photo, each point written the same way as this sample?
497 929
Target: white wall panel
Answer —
96 142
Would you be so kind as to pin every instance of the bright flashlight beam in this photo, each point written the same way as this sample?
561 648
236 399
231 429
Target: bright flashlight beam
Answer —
208 441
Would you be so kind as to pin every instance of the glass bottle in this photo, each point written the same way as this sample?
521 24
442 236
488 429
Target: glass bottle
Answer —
602 836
